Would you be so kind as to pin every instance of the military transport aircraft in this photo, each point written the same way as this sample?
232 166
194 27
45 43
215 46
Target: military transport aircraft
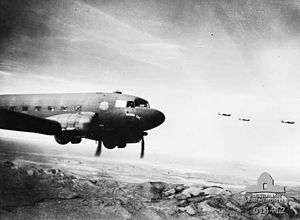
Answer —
224 114
244 119
115 119
287 122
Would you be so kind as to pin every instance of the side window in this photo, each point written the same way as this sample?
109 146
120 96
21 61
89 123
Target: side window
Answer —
24 108
78 108
64 108
120 103
37 108
51 108
12 108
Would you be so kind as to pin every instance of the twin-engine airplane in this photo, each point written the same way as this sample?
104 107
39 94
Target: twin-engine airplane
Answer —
115 119
287 122
244 119
224 114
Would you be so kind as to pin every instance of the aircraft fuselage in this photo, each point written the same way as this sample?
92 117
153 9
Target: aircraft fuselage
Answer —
114 118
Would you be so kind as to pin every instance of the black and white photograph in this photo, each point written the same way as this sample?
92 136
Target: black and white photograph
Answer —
150 109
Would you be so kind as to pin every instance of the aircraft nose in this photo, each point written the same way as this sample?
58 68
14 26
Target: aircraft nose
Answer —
151 119
158 118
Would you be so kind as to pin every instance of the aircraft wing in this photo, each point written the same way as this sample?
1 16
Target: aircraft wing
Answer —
22 122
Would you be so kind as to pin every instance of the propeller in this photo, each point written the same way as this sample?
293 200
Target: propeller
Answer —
142 148
99 148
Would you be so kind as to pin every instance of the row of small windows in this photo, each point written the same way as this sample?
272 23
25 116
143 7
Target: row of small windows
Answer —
49 108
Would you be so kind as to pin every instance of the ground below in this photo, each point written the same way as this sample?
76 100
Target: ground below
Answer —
66 188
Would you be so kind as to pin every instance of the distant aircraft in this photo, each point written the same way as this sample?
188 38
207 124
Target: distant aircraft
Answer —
287 122
224 114
244 119
115 119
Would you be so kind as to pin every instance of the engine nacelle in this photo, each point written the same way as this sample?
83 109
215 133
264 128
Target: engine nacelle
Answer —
62 138
76 140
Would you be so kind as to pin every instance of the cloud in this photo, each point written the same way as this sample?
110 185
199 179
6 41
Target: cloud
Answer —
3 73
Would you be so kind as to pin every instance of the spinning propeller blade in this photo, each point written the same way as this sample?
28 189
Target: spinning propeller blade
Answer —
99 148
142 148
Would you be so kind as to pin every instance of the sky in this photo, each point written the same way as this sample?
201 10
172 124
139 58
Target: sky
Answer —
190 59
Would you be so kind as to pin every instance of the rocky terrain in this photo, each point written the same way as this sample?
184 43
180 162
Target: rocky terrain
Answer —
36 191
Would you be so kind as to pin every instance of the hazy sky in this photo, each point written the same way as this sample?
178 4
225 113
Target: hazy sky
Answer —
190 59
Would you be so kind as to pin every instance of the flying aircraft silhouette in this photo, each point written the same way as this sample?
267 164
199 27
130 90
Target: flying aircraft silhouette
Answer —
287 122
115 119
224 114
244 119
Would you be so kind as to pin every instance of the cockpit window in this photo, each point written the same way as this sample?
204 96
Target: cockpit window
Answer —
130 104
141 103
